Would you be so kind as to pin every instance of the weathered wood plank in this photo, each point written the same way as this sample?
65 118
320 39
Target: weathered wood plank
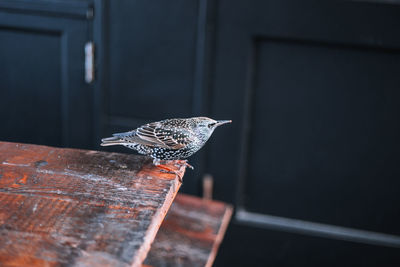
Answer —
77 207
190 234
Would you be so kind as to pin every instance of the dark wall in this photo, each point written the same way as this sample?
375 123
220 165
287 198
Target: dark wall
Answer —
311 159
152 67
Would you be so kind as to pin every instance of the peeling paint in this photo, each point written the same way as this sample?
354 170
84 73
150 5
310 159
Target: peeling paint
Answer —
40 163
15 164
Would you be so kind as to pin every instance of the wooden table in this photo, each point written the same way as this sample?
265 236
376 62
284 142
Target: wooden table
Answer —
69 207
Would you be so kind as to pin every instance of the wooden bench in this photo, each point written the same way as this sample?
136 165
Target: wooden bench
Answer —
89 208
191 233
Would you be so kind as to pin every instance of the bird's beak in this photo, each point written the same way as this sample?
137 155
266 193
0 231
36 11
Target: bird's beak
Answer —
219 123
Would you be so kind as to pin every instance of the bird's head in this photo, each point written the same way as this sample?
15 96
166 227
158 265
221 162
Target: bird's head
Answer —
204 126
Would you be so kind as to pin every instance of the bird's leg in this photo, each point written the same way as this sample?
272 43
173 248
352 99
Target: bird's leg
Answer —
165 168
156 162
184 162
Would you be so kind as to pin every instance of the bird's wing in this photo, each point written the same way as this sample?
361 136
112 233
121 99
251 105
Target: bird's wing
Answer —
124 138
160 136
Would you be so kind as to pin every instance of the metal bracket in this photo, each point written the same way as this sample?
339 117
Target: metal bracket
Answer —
89 62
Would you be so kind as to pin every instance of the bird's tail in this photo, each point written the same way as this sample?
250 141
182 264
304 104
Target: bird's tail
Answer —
116 139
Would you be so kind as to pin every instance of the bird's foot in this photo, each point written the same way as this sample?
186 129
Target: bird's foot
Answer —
181 163
166 169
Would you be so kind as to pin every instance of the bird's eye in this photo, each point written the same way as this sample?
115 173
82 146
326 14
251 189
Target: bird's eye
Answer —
211 125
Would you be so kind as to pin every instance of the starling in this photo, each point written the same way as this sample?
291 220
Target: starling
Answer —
171 139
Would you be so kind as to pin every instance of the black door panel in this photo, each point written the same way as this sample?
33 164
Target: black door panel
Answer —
313 91
44 98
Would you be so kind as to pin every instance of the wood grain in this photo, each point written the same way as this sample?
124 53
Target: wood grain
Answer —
191 233
63 207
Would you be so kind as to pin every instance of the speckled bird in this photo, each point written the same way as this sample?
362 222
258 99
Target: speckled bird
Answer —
171 139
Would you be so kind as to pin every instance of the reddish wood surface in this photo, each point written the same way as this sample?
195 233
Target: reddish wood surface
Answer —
190 234
68 207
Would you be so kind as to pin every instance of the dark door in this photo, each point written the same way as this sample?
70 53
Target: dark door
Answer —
44 98
313 90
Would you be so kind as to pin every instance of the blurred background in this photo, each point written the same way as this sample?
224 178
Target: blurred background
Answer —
311 160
